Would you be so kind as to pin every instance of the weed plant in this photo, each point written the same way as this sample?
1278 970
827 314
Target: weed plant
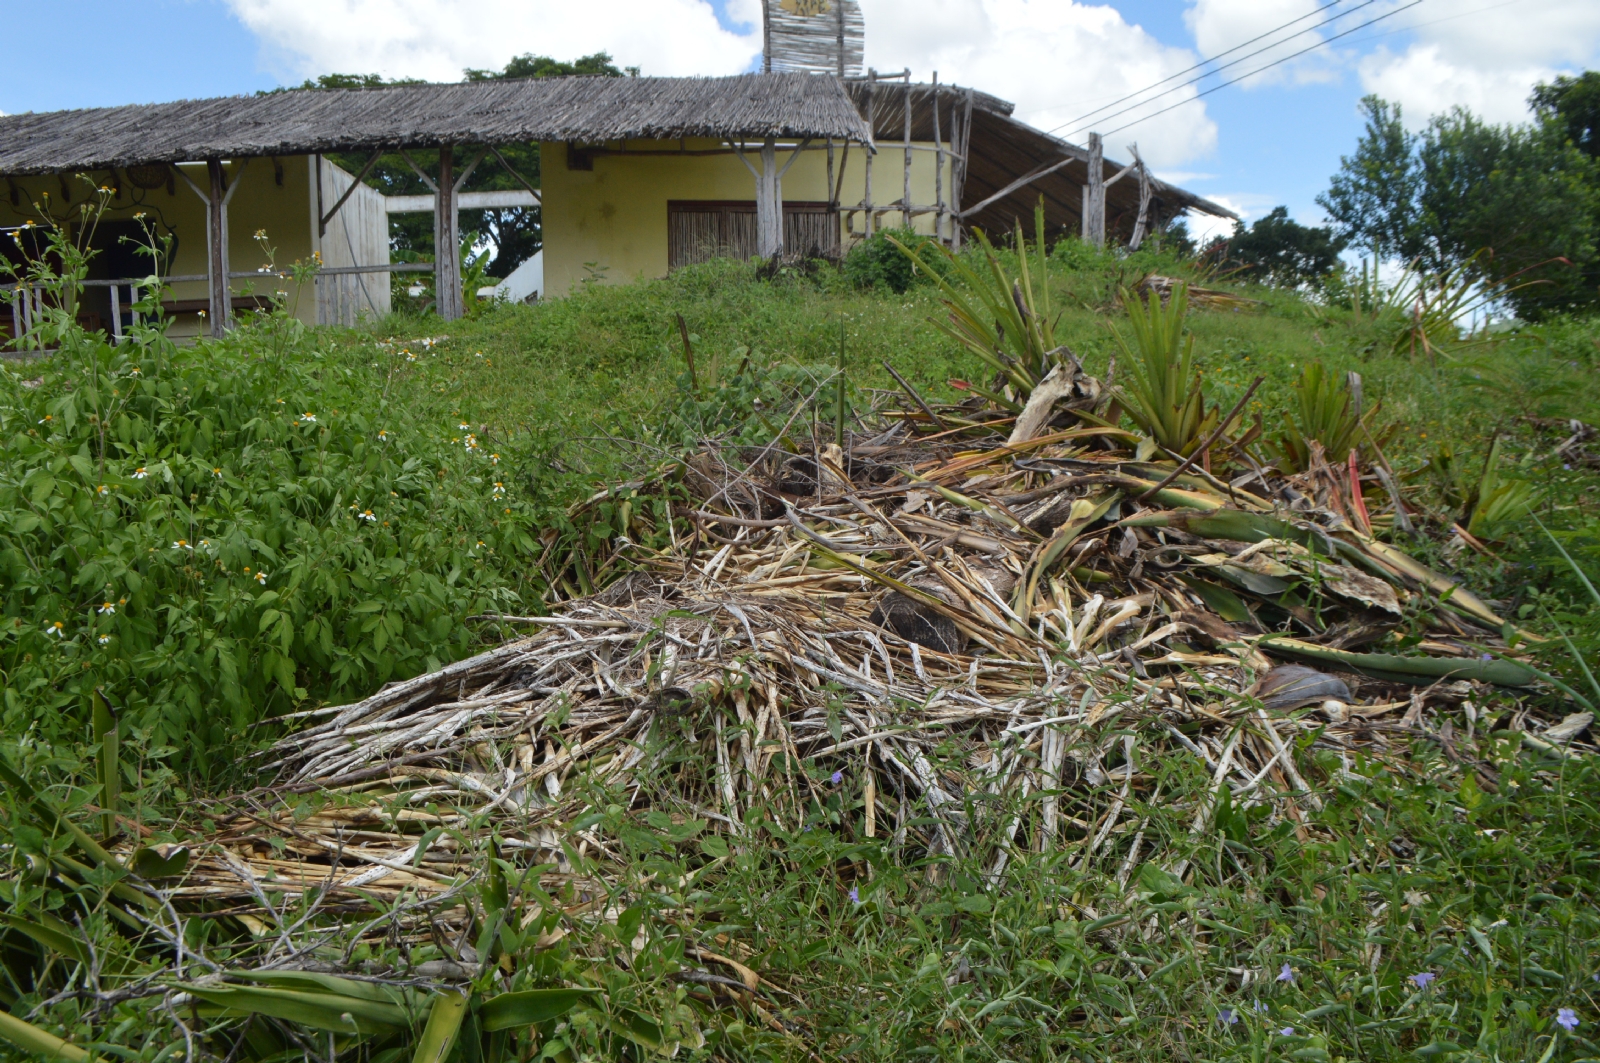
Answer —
225 532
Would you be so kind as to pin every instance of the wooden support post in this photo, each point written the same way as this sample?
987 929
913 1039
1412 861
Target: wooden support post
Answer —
958 175
938 167
1141 226
1094 194
769 203
872 108
905 197
447 239
217 261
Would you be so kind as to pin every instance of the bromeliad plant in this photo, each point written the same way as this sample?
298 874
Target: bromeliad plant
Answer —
1005 320
1162 391
1325 412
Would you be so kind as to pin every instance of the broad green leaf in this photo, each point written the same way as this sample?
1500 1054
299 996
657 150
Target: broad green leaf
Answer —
530 1007
30 1038
444 1022
320 1011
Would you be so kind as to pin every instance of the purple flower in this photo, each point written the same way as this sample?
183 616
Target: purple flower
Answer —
1567 1019
1422 978
1227 1017
855 895
1287 1031
1259 1006
1287 974
838 777
1487 657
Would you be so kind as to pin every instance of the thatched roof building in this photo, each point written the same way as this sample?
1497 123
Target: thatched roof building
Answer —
1002 149
638 176
304 122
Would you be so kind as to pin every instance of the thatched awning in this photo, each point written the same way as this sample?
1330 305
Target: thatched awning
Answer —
300 122
1004 149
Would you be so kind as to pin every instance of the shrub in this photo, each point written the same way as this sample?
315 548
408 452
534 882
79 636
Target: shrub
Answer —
877 263
229 531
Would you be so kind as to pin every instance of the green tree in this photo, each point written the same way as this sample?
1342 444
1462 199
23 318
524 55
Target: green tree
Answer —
1278 250
1372 199
1528 196
1524 193
1573 104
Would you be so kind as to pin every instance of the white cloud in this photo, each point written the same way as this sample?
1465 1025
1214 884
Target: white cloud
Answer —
1232 26
437 39
1202 227
1486 59
1055 60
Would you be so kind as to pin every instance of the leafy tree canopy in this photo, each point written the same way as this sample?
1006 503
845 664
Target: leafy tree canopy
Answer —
1573 104
1280 251
1528 195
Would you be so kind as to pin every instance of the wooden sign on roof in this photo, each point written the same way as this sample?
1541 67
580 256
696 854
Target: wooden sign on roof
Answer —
814 36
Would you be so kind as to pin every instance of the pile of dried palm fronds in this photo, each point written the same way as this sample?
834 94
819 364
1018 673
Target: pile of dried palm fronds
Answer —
950 605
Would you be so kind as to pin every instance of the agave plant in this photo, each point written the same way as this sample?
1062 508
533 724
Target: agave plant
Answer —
1424 310
1326 413
1005 320
1498 503
1161 390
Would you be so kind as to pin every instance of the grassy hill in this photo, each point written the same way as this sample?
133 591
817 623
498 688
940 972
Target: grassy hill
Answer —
228 534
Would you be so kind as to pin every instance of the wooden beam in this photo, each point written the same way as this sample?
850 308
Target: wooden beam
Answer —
406 155
1140 227
521 180
322 220
504 199
1025 179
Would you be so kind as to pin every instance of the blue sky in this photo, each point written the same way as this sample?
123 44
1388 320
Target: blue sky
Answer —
1251 146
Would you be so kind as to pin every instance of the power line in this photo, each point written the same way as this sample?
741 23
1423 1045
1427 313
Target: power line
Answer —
1436 21
1074 122
1194 81
1258 70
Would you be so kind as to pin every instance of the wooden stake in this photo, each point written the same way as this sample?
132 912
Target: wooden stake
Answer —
872 100
1094 194
938 166
217 260
905 198
447 239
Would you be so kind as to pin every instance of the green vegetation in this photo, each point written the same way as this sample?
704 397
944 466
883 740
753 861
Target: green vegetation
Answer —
338 513
1503 201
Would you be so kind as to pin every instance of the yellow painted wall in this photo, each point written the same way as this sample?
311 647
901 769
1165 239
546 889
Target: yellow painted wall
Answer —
614 217
285 212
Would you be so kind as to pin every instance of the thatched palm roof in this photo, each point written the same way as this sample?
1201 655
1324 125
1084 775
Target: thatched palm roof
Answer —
300 122
1003 149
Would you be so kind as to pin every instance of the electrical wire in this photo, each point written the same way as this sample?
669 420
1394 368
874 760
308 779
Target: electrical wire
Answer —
1258 70
1207 62
1435 21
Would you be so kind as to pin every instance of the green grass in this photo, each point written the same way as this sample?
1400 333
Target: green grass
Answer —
1410 867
